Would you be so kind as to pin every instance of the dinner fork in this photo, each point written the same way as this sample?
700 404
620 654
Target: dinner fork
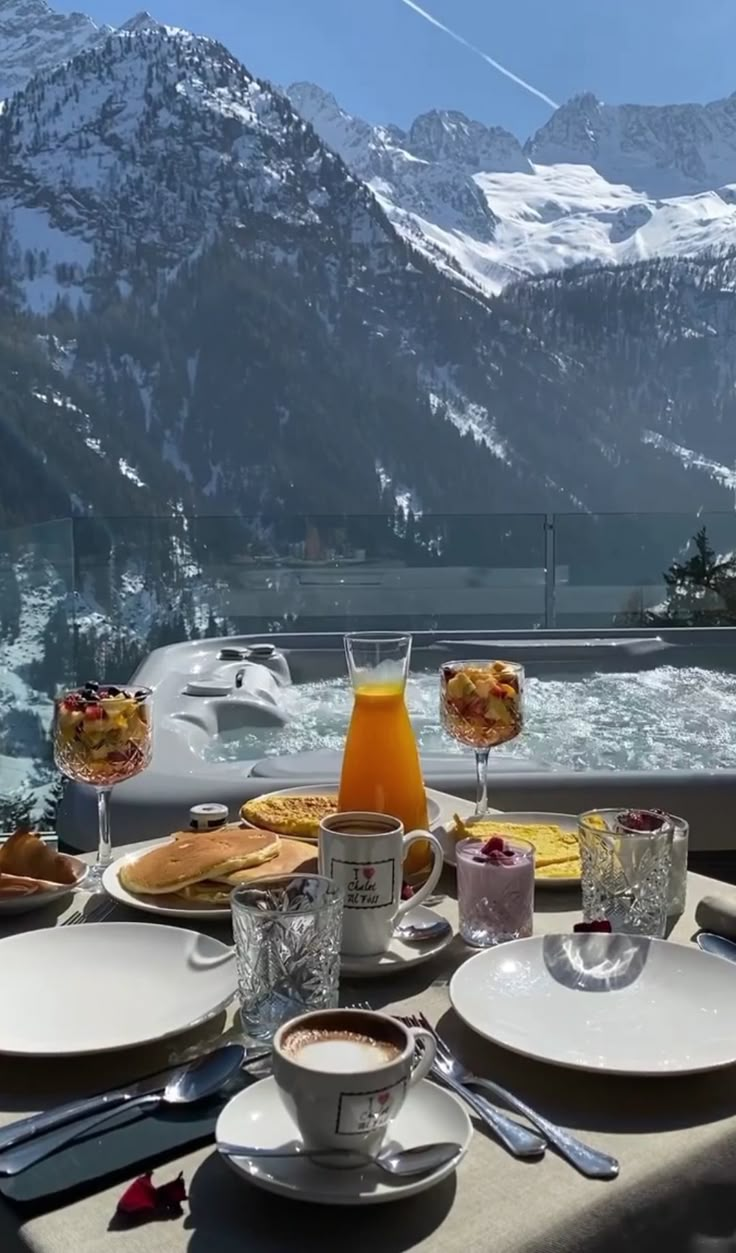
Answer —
96 914
591 1162
519 1140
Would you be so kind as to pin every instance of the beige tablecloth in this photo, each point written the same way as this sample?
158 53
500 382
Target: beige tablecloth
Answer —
675 1138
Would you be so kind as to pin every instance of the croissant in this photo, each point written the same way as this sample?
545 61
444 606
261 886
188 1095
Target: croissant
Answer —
26 855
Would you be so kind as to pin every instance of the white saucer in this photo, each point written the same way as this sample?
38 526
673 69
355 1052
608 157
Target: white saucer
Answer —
400 955
257 1117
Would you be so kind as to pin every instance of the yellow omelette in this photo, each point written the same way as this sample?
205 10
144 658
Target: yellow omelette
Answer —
558 851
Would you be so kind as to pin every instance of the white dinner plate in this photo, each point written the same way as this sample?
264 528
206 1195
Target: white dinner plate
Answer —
328 789
621 1004
257 1117
568 822
37 900
166 905
66 991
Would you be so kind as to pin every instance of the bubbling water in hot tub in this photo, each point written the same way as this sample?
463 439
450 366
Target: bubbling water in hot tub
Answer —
667 718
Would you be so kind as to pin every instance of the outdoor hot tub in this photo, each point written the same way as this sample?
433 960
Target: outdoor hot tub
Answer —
641 718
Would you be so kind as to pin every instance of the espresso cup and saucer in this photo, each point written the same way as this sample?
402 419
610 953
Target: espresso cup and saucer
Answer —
343 1079
364 853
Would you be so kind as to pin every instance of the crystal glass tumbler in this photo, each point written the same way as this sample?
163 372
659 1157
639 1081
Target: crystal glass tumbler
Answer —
288 930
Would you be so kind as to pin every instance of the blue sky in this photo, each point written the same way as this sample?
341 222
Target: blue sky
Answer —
385 62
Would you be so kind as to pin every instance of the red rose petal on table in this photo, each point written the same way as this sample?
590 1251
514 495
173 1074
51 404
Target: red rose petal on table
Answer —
143 1200
600 925
139 1198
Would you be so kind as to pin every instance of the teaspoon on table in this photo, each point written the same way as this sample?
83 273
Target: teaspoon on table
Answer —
195 1082
401 1163
422 932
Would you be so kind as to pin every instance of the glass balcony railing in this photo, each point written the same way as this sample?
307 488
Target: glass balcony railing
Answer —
92 596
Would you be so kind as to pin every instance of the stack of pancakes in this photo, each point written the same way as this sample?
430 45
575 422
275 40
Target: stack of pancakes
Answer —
206 866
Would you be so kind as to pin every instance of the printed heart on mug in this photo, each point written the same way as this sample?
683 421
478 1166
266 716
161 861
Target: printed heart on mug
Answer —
383 1097
368 872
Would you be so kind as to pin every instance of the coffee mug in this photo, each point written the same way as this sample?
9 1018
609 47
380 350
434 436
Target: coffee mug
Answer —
343 1074
364 853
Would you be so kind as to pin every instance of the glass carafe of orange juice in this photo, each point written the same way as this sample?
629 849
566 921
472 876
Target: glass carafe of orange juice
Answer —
380 769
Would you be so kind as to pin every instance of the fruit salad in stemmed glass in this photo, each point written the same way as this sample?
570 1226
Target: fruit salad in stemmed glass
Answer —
102 736
481 705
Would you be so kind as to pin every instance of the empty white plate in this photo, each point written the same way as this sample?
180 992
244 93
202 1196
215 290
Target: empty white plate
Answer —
66 991
622 1004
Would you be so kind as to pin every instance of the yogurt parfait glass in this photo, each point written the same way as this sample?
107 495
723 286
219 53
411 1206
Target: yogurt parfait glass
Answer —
495 889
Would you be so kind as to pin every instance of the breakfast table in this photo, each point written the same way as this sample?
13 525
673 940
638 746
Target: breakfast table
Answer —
675 1139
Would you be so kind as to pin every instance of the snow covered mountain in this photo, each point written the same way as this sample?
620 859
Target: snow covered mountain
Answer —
479 206
268 331
33 37
662 150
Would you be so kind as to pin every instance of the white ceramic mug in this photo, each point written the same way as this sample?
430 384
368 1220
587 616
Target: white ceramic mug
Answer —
338 1106
364 853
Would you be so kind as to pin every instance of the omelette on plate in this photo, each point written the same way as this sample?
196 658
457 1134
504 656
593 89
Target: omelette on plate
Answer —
297 815
558 851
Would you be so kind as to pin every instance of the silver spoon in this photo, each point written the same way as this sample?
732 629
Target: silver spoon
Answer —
200 1079
718 945
422 932
403 1163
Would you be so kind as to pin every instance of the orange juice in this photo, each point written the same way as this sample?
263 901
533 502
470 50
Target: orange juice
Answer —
380 769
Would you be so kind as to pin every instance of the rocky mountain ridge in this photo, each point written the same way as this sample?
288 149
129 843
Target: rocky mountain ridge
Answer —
266 321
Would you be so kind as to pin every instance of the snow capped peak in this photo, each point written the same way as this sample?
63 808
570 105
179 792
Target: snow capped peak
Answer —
664 150
447 135
141 21
33 37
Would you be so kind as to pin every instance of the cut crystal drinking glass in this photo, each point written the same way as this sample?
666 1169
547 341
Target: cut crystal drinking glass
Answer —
625 874
287 930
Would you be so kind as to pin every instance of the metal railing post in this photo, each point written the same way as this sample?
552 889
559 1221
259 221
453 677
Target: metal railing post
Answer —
550 615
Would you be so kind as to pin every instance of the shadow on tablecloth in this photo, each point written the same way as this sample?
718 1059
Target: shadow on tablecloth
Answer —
228 1215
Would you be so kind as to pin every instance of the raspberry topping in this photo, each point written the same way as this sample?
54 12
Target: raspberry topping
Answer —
642 819
494 845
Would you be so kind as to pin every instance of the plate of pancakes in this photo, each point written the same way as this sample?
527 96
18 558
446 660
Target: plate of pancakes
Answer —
297 812
554 836
192 874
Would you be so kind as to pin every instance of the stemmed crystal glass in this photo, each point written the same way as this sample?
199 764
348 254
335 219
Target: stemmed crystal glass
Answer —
481 705
102 736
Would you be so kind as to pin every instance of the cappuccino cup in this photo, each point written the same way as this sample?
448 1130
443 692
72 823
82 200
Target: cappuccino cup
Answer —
342 1074
364 853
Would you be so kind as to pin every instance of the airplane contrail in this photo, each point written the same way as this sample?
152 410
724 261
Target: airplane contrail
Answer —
466 44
